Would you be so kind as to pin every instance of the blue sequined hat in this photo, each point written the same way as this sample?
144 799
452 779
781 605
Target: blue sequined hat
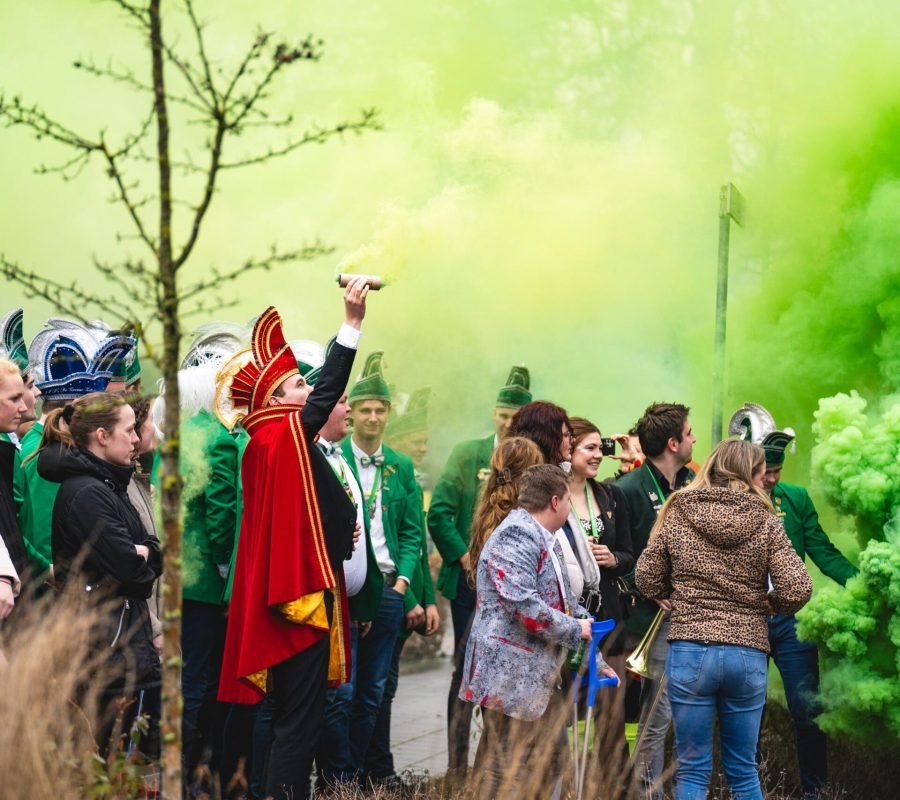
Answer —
12 342
68 361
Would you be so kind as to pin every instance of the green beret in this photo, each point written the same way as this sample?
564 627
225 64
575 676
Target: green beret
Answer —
517 392
371 384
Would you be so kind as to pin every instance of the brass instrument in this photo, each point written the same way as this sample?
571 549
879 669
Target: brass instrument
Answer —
637 662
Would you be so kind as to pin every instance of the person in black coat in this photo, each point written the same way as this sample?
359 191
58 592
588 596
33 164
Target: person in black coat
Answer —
99 543
599 533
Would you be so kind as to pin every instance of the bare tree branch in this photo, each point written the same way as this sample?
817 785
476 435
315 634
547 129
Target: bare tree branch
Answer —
369 119
14 112
68 298
217 278
116 174
128 78
215 155
201 51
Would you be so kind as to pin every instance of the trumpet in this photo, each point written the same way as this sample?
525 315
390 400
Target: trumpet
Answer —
638 661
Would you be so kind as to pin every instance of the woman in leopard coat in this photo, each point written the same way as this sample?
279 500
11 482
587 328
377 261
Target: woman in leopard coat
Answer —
719 553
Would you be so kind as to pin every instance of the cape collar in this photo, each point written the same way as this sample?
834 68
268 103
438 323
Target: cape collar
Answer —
265 416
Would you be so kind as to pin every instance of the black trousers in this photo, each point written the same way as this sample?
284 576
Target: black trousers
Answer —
299 685
459 713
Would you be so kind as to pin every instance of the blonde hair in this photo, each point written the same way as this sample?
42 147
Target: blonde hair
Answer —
512 458
8 367
730 466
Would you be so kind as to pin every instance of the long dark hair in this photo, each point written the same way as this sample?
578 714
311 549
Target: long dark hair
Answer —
543 423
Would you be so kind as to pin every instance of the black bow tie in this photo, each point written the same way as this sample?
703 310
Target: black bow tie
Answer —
328 449
372 461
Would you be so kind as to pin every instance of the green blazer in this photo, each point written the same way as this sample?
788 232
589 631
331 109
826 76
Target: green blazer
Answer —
401 516
644 504
211 509
453 506
422 586
795 509
36 497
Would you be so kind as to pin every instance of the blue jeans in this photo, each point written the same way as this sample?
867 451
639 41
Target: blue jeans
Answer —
380 759
374 653
798 663
334 761
706 681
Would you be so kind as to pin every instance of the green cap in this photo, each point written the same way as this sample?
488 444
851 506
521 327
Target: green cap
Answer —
516 392
12 342
371 384
414 419
775 444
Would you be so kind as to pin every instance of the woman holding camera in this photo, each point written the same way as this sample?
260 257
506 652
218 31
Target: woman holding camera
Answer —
720 554
596 539
99 542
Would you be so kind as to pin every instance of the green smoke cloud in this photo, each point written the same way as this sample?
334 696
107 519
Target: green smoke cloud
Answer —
857 627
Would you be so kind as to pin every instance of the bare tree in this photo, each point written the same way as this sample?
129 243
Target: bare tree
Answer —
145 290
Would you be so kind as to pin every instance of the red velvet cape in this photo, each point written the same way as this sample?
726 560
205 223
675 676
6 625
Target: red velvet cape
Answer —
281 558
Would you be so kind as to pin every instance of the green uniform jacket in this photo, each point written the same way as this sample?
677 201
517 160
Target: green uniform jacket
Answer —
644 504
422 586
37 497
795 509
211 516
242 438
453 506
401 516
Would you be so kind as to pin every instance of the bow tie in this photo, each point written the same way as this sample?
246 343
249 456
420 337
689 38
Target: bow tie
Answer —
328 449
372 461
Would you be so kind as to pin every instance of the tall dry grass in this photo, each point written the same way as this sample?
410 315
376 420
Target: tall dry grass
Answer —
49 706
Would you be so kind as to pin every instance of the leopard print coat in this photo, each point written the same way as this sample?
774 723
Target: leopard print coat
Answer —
713 557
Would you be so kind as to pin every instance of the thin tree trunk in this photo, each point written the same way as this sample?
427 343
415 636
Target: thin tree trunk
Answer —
170 479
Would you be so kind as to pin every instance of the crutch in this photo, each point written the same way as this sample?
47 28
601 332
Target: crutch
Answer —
132 745
594 683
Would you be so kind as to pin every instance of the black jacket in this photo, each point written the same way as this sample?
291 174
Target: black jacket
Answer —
9 523
337 510
616 536
95 529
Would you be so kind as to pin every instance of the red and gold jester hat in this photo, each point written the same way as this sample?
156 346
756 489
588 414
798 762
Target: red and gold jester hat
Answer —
247 380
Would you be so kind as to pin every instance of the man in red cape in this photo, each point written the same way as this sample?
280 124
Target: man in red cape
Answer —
287 622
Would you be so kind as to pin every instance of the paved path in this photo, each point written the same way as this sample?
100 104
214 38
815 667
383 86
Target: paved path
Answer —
419 722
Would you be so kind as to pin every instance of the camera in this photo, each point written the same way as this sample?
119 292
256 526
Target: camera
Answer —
608 447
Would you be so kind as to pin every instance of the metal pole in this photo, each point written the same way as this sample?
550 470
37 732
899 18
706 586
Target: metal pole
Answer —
730 207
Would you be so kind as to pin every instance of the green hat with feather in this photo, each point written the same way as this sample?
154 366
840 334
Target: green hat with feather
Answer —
371 384
12 341
517 391
414 418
